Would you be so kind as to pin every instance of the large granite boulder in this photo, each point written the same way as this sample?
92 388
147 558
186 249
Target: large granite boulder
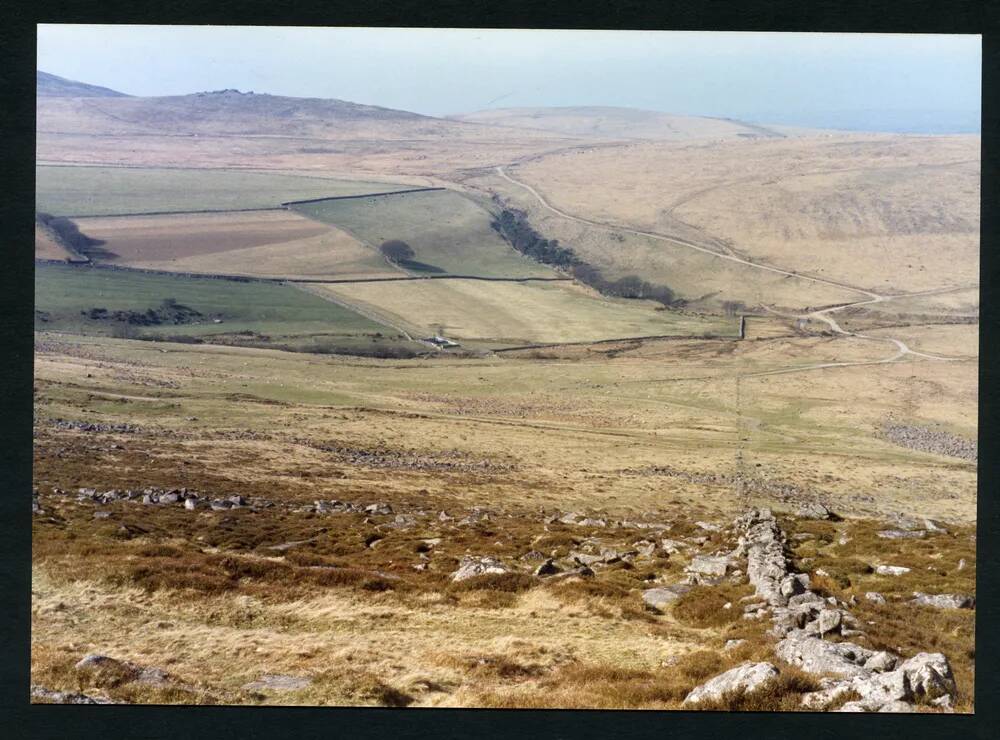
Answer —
745 677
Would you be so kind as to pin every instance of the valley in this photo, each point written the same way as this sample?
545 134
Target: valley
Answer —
279 465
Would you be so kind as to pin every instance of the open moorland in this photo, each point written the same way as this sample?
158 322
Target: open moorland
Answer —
662 412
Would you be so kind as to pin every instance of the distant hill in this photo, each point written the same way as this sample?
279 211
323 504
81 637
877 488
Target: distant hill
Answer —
618 123
228 112
53 86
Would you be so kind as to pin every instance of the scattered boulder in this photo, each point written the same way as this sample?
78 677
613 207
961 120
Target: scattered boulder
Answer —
50 696
672 547
125 670
881 662
883 688
584 559
814 510
852 706
745 677
285 546
276 682
945 601
829 620
716 566
794 585
875 597
891 570
472 566
817 700
663 596
403 521
808 597
814 655
901 534
645 548
708 526
929 675
897 707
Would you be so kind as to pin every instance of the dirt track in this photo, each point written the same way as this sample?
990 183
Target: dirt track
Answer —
681 242
820 315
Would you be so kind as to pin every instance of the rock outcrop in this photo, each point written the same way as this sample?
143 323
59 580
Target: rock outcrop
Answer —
945 601
803 619
473 566
745 677
663 596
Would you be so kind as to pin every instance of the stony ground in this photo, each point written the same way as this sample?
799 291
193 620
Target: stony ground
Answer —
241 526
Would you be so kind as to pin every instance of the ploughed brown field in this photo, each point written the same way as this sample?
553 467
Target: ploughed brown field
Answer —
146 239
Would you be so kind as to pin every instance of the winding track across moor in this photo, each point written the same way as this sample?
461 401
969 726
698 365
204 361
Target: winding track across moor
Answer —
819 315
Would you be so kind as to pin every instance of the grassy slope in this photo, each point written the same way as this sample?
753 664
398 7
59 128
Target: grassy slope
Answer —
840 207
64 291
70 191
519 313
568 426
446 230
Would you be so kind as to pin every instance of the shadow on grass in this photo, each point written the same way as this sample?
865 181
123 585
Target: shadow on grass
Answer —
419 266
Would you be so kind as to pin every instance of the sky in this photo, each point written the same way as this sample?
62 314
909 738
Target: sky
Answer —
876 82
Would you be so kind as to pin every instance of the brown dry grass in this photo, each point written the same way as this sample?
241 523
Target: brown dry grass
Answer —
705 606
214 604
835 207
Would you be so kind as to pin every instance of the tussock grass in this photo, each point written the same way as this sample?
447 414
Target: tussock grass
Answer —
354 687
703 606
504 582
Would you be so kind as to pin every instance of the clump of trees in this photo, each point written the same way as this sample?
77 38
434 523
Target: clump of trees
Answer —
67 232
396 250
629 286
513 226
168 312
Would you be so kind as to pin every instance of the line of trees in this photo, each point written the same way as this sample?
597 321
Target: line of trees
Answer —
513 226
67 232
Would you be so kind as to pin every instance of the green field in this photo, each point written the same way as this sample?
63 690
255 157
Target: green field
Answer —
511 313
449 232
99 191
278 315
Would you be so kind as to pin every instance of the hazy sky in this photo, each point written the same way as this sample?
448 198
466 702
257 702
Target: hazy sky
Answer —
879 82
